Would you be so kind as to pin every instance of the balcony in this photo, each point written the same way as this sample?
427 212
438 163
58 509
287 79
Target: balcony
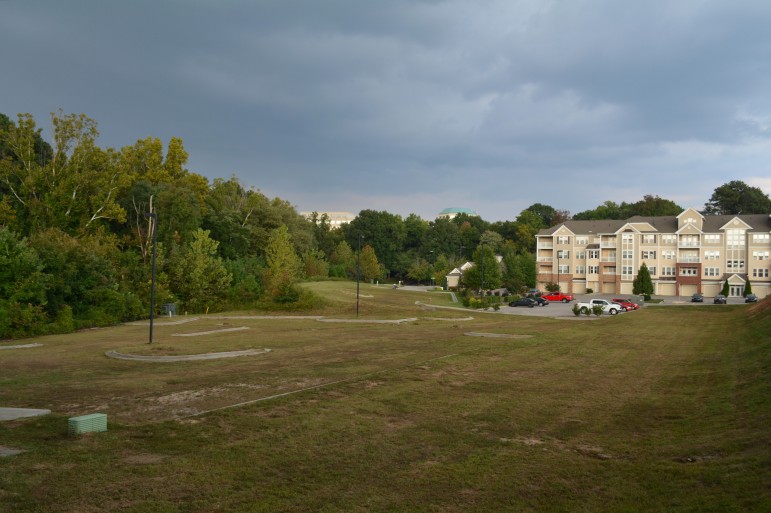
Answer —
545 259
545 245
689 244
689 260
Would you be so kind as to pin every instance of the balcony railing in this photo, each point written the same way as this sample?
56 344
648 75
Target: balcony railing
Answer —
688 244
545 259
689 260
546 245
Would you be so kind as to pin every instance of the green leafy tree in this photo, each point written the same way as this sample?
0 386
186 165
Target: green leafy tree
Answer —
642 283
283 269
492 278
736 197
654 206
315 264
519 269
76 190
343 261
385 232
726 288
420 270
370 268
747 288
198 276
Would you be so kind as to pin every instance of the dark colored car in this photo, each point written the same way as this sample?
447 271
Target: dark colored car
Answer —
533 293
697 298
540 301
751 298
525 301
720 299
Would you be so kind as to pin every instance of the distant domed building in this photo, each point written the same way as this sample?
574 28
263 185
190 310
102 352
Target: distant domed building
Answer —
449 213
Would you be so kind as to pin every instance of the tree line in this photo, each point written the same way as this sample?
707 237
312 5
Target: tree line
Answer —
76 243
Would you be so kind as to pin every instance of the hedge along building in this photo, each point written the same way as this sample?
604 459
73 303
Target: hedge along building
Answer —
686 254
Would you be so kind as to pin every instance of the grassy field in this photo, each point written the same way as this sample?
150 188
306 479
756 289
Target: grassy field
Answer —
663 409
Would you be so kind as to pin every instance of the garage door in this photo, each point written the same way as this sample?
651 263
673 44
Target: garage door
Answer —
609 288
626 288
688 290
712 289
579 287
666 289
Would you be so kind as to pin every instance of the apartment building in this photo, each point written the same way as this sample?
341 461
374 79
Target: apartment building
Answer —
685 254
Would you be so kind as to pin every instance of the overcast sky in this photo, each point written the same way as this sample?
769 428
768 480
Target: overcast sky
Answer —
413 106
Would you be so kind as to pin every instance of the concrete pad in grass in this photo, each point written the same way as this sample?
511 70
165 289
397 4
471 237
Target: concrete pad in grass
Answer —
20 413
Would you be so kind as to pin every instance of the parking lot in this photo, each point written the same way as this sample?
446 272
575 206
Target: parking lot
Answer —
556 309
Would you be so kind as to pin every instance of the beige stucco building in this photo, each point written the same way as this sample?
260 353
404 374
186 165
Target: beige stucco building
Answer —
685 254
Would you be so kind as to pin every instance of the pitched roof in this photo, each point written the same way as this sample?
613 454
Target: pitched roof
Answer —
662 224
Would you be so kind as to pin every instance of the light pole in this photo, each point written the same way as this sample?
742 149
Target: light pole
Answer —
358 274
153 223
483 269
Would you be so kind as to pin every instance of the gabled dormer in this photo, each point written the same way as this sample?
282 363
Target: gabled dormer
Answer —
564 236
736 224
690 216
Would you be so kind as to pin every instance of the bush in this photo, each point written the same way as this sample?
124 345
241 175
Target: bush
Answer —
597 310
576 310
590 291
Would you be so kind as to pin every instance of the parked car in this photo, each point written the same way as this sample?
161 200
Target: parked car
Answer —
525 301
697 298
626 303
720 299
540 301
559 296
533 293
751 298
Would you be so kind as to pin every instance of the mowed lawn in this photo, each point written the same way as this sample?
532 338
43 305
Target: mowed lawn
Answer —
663 409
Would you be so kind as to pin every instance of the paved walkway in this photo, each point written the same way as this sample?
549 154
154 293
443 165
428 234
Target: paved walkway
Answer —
184 357
20 413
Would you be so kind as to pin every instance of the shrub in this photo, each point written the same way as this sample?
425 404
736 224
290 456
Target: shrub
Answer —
597 310
576 310
590 291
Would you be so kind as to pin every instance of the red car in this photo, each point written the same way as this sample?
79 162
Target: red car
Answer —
627 304
558 296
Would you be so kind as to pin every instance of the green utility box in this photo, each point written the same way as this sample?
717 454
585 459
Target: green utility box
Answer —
92 423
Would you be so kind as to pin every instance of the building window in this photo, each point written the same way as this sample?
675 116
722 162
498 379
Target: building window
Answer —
711 238
652 271
609 270
760 273
712 255
582 241
563 269
594 269
563 254
626 270
669 239
667 271
689 241
649 239
563 239
735 238
712 271
649 255
760 255
626 254
580 255
735 265
760 238
688 271
593 253
580 269
668 255
627 237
